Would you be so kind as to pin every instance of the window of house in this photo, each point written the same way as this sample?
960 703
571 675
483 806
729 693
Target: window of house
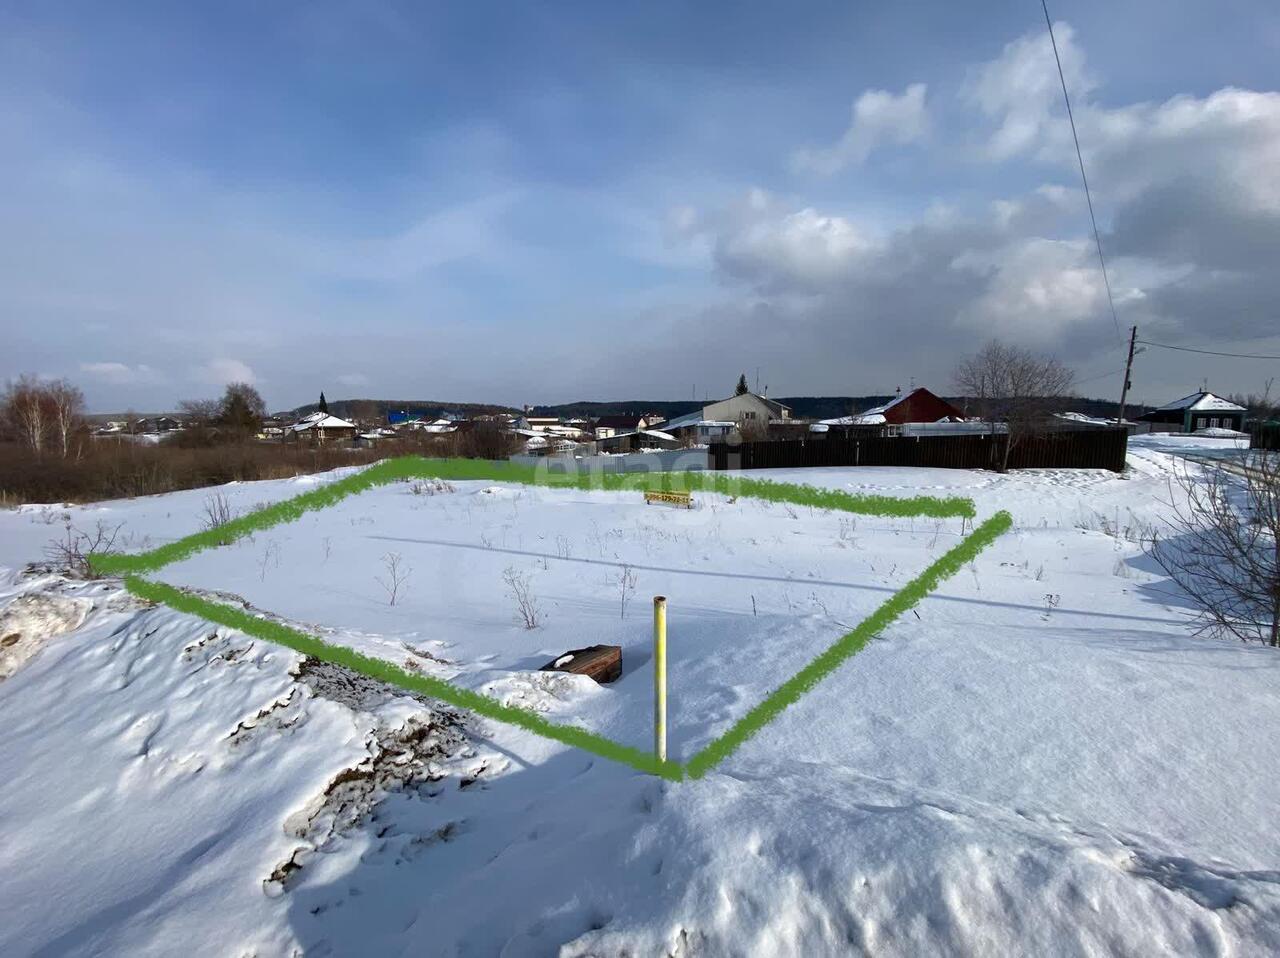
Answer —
1200 422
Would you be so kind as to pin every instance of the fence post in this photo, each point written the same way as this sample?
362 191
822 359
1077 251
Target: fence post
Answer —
660 677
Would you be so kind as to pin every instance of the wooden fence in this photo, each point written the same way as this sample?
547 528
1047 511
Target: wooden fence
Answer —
1068 449
1264 436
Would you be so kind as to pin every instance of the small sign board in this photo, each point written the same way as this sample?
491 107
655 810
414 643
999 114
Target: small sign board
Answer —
683 499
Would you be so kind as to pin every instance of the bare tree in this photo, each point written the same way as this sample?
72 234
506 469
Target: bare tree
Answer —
397 574
1015 386
26 410
199 412
44 413
487 439
1260 407
200 420
66 406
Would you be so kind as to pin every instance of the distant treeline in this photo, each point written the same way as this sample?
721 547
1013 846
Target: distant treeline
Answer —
371 409
802 407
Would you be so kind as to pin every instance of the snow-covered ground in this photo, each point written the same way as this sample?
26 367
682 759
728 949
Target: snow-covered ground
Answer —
755 591
1043 761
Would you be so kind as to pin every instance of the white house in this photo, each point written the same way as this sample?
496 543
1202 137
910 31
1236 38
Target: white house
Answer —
717 420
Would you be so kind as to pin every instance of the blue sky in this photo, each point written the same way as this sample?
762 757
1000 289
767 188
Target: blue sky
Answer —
539 203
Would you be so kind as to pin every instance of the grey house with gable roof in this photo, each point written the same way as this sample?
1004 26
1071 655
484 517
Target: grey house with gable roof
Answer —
1200 410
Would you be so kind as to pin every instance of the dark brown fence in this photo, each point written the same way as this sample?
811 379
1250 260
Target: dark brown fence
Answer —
1069 449
1264 436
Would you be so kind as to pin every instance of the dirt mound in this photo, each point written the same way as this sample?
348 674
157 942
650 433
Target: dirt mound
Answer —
29 621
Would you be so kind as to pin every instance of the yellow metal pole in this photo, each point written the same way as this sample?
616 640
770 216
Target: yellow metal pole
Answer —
660 677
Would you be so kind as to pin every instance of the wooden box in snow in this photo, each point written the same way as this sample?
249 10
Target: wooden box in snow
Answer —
603 663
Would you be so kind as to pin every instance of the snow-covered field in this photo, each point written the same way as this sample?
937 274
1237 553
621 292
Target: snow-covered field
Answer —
1043 761
755 591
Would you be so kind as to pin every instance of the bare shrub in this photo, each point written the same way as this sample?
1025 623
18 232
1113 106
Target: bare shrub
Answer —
431 487
397 573
487 439
520 588
217 513
1221 544
270 557
626 589
75 548
112 468
753 430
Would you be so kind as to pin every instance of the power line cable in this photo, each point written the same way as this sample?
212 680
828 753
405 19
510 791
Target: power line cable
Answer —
1207 352
1097 239
1090 379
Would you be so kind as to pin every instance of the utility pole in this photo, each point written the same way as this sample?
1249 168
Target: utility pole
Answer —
1128 368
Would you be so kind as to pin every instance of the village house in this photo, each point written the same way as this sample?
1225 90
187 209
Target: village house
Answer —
437 427
1200 410
715 421
155 424
537 423
637 440
918 406
606 426
322 427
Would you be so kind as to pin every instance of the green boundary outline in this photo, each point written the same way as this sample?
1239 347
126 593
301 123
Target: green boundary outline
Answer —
414 467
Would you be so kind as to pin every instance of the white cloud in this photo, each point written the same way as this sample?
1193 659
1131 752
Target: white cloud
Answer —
468 230
219 372
1230 138
353 379
1229 141
120 374
879 118
1037 290
803 247
760 241
1020 89
1188 197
